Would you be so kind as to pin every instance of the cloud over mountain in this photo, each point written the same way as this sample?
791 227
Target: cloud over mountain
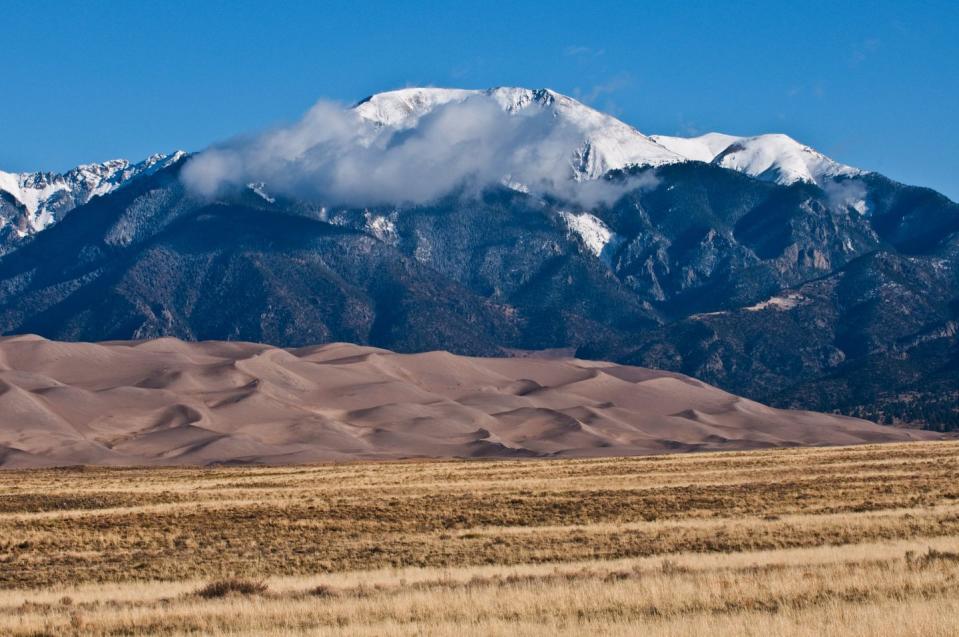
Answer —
336 155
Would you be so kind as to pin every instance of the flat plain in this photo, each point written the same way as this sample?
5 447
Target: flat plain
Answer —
857 540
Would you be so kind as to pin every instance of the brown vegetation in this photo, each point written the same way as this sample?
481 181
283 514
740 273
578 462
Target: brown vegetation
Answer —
232 586
807 541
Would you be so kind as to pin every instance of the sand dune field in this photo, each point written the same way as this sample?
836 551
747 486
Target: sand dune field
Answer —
169 402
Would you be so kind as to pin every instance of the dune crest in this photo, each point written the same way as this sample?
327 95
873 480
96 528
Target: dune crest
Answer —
171 402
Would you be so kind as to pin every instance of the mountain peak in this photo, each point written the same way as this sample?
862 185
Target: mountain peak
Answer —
402 108
772 157
605 143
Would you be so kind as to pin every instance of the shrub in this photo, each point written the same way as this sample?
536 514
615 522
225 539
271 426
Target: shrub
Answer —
232 586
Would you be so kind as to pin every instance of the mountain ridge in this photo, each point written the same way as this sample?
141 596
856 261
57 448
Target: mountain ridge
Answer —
773 156
34 201
30 202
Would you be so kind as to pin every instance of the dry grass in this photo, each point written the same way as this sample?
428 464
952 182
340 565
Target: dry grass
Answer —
843 541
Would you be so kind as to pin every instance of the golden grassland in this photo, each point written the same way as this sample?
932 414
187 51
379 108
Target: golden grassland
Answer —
843 541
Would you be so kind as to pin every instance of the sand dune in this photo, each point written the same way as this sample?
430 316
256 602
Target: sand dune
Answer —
169 402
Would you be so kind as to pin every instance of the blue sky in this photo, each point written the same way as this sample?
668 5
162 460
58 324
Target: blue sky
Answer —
875 85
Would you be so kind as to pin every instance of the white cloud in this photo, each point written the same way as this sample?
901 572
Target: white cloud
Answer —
335 157
863 51
609 87
847 193
576 50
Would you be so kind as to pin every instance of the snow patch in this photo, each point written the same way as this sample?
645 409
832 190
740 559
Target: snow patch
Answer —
780 303
259 188
594 234
383 228
515 185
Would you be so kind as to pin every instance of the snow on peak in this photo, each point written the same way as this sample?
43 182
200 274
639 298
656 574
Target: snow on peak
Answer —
605 143
404 107
773 157
34 201
703 148
609 144
781 159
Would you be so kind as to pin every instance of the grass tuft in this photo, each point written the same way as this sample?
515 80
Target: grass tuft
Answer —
324 591
232 586
930 557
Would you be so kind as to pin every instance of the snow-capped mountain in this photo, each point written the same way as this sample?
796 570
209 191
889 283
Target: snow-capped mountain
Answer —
609 144
30 202
605 143
774 157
